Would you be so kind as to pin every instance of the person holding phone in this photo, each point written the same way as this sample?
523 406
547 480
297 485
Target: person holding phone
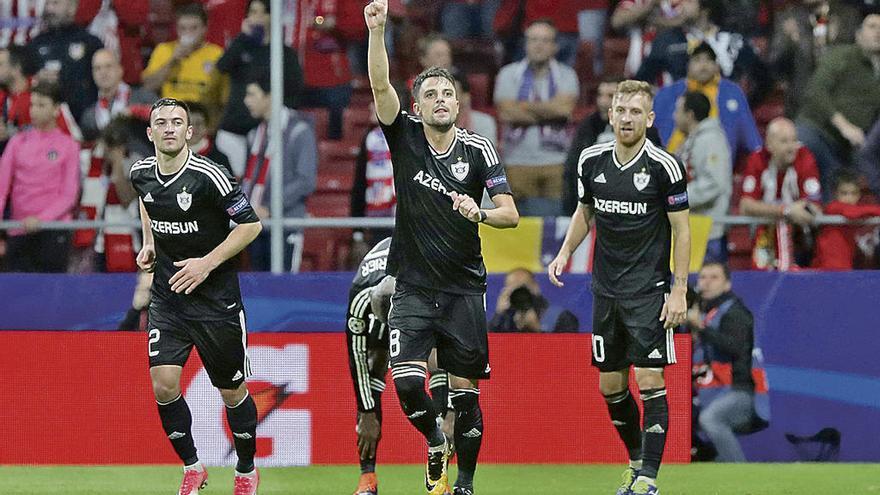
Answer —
246 58
184 69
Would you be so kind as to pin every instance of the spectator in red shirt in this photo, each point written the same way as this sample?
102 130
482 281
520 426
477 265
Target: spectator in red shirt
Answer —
781 184
320 40
836 244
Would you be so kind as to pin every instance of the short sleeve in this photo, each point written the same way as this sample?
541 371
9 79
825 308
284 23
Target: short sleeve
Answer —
395 131
234 202
569 83
505 88
673 183
808 176
161 55
584 167
751 185
492 172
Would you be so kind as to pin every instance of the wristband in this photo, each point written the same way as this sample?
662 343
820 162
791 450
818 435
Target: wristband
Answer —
483 216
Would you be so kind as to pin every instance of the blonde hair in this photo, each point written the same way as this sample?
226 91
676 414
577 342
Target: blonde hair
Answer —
631 87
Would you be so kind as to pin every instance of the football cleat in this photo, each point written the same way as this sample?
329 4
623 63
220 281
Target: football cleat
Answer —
246 484
644 488
436 479
462 491
626 481
193 481
368 485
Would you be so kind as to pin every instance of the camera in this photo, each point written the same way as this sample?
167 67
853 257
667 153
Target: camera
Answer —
522 299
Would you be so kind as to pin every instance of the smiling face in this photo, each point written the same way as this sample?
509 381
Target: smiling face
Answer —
437 104
169 129
630 116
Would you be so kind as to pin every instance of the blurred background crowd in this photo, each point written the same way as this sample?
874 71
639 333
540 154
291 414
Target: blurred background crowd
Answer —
772 105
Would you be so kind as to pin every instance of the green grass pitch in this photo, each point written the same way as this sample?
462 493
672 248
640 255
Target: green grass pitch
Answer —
697 479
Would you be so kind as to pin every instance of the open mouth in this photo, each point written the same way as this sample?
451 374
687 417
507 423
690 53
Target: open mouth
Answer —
441 111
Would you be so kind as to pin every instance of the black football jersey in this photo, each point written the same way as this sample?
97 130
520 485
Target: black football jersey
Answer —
365 332
190 215
629 202
433 246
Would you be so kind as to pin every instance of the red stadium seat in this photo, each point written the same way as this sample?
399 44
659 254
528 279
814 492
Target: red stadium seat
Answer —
481 90
356 122
325 249
321 118
615 50
329 204
337 156
475 56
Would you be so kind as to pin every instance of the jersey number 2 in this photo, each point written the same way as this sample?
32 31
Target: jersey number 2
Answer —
154 337
598 348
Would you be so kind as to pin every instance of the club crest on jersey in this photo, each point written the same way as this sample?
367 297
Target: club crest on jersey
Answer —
460 169
184 199
641 179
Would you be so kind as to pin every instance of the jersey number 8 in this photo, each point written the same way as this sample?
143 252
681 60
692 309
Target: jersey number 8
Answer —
394 342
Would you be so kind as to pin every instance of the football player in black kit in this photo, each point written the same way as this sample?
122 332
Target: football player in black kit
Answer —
186 204
637 194
369 301
435 254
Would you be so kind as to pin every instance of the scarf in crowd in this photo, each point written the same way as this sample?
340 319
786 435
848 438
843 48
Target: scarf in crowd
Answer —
106 108
553 137
774 246
253 183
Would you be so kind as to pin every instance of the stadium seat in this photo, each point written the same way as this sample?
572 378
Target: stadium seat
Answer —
335 181
474 56
356 122
329 204
325 249
584 67
481 90
337 156
321 119
615 50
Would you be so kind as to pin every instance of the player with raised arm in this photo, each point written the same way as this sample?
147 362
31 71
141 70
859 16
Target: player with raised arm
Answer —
637 194
186 204
435 253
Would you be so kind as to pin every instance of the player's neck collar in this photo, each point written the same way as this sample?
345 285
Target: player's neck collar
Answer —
448 151
632 160
177 174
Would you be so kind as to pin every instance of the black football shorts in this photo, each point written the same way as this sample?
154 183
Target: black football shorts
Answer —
455 324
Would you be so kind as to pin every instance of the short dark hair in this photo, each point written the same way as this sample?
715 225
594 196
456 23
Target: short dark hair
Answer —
266 4
116 133
706 48
170 102
846 176
724 268
193 10
17 57
262 79
47 89
196 107
696 102
427 73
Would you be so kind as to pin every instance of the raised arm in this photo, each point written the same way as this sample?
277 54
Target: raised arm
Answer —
387 103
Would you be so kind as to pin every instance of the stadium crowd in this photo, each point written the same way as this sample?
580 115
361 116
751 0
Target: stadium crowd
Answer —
773 106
